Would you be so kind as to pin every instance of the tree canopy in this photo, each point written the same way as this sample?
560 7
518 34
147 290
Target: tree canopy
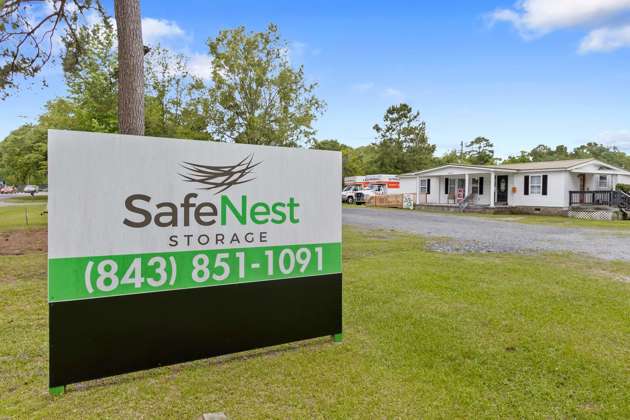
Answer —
401 143
24 156
609 154
256 96
480 151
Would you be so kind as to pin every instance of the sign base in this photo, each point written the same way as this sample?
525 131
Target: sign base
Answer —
101 337
57 390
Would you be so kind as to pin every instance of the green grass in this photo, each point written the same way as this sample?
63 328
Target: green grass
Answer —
425 335
565 221
15 217
28 199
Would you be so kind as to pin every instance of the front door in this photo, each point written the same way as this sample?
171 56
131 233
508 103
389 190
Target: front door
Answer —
502 189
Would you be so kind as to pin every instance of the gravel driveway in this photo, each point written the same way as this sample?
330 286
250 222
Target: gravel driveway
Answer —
5 197
469 233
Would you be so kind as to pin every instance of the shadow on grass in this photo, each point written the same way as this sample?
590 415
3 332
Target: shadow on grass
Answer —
227 359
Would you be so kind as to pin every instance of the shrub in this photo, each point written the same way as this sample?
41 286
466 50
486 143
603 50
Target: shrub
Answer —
623 187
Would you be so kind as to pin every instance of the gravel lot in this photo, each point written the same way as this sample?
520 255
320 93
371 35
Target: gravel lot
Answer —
476 234
5 197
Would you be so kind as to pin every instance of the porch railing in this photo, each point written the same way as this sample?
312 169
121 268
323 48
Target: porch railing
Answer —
596 198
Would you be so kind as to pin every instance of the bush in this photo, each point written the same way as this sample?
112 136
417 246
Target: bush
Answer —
623 187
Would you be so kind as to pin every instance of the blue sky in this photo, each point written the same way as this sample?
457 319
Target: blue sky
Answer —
521 74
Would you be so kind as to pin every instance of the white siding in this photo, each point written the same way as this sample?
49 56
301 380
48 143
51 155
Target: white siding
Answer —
433 197
408 185
558 185
623 179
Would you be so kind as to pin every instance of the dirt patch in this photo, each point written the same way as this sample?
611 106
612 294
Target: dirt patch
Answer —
20 242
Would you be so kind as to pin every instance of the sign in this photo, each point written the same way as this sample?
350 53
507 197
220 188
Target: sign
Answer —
162 251
408 201
460 195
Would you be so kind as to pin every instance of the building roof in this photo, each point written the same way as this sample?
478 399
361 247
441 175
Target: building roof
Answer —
518 167
552 164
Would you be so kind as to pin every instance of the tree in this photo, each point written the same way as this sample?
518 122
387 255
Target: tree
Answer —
402 144
452 156
92 83
543 152
23 155
328 145
91 80
480 151
611 155
27 46
523 157
131 67
350 162
256 97
171 97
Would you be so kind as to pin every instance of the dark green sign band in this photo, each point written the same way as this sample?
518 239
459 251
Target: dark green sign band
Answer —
102 276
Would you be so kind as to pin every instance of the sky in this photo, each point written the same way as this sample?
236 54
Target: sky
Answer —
519 73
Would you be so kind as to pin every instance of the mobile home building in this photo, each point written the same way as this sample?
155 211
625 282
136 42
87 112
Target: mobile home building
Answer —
551 187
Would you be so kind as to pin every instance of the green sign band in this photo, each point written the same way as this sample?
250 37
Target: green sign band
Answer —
102 276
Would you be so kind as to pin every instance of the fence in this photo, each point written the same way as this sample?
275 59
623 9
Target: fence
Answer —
608 198
389 200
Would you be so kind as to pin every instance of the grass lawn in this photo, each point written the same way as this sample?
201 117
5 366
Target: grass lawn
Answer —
425 335
15 217
560 221
564 221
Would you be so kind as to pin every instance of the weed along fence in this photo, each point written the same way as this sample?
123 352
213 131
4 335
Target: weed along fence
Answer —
390 200
163 251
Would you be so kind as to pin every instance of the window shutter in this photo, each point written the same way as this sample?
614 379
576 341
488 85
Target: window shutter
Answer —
429 186
526 186
480 185
544 185
445 185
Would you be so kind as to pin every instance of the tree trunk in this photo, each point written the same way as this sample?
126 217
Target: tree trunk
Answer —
130 67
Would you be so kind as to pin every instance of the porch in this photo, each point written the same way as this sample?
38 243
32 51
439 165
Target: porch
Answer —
605 198
601 205
478 188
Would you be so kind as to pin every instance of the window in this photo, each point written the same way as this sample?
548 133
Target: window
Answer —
423 186
475 185
535 184
603 181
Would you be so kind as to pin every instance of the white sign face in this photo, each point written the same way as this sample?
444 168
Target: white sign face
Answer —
132 214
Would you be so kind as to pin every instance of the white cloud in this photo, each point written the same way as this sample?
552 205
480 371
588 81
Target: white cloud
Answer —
155 30
393 93
606 39
538 17
620 139
363 87
200 65
298 48
535 18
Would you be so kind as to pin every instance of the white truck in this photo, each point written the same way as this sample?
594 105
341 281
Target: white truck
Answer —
348 194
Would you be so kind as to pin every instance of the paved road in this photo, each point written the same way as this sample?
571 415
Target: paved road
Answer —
469 233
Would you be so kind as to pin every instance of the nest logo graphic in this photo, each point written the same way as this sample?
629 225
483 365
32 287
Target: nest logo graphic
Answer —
220 178
190 211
